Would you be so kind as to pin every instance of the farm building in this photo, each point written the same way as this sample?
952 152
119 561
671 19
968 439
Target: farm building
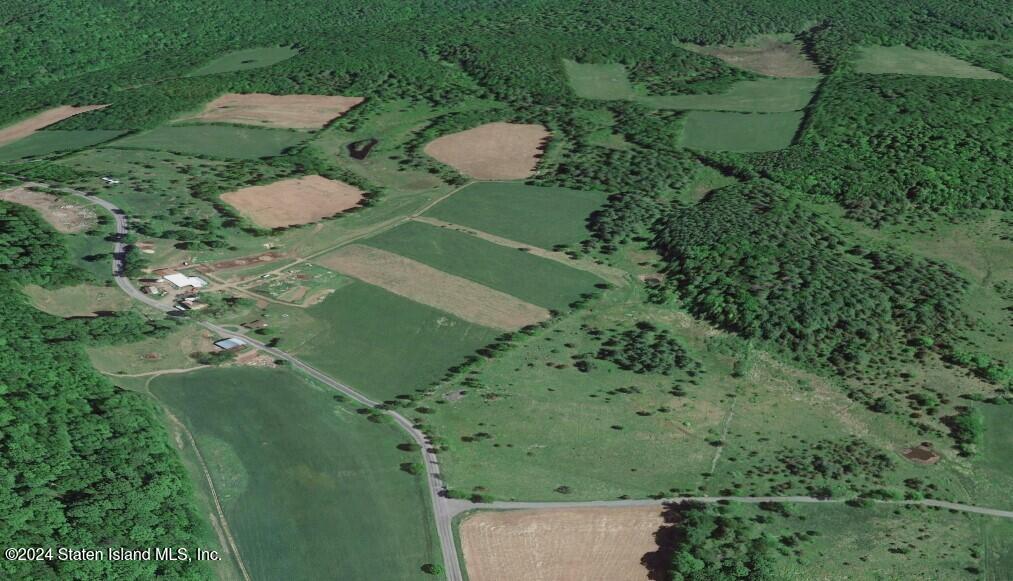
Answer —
183 281
230 344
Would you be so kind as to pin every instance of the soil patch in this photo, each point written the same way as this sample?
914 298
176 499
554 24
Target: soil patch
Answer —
294 201
239 262
360 149
287 111
494 151
606 544
921 454
423 284
63 215
44 119
767 56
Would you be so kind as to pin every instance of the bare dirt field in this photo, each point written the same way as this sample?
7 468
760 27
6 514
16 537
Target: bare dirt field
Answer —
65 216
580 544
294 201
423 284
765 55
288 111
494 151
44 119
262 258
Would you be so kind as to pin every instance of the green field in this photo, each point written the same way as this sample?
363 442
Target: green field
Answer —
599 81
241 60
903 60
307 485
78 300
45 142
608 432
536 280
759 96
220 141
383 344
539 216
746 132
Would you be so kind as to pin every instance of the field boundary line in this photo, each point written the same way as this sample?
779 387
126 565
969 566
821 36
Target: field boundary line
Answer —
214 494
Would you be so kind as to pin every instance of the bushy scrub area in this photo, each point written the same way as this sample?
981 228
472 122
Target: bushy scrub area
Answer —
84 464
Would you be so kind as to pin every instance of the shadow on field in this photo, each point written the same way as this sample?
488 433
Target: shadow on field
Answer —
668 537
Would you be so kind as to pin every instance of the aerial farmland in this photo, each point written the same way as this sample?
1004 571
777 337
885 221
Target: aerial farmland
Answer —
497 292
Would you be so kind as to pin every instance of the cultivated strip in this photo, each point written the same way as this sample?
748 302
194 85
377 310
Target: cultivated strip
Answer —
494 151
44 119
424 284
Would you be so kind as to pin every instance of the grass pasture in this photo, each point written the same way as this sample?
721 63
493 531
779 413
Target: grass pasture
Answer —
306 484
229 142
744 132
43 143
78 301
383 344
759 96
542 217
903 60
536 280
241 60
606 81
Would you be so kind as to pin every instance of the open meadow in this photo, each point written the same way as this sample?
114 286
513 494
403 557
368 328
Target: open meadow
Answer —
306 484
218 141
245 59
745 132
903 60
605 81
543 217
759 96
42 143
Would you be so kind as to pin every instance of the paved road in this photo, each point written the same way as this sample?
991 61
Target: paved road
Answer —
445 509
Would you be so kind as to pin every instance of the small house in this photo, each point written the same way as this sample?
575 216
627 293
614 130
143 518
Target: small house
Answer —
183 281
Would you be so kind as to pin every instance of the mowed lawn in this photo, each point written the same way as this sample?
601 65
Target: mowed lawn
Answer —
759 96
215 140
599 81
536 280
383 344
310 489
903 60
241 60
746 132
542 217
47 142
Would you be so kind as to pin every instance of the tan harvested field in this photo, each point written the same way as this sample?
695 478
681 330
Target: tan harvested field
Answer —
424 284
294 201
288 111
764 55
62 214
45 119
494 151
570 544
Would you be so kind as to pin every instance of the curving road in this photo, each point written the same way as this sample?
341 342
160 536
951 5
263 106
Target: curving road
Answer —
445 509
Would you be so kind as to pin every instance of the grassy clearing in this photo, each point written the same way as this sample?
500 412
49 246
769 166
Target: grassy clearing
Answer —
46 142
529 278
608 432
215 141
889 543
381 343
306 484
241 60
903 60
705 181
759 96
599 81
746 132
774 55
169 352
78 301
543 217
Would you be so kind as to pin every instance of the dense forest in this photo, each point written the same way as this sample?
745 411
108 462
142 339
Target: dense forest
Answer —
83 464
